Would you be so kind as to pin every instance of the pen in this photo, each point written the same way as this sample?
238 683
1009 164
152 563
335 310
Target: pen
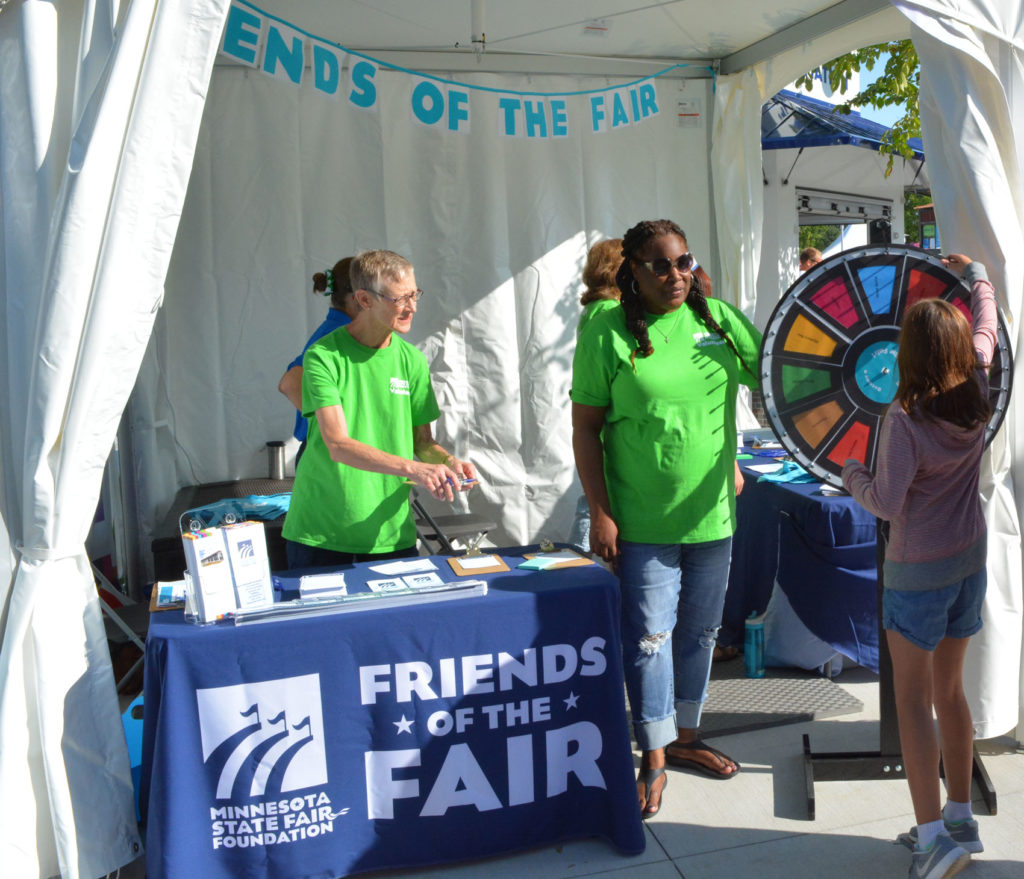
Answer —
465 483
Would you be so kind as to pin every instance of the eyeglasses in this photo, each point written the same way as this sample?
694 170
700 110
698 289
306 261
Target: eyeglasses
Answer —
662 266
401 301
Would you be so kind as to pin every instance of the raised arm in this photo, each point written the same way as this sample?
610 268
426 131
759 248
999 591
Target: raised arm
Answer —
984 312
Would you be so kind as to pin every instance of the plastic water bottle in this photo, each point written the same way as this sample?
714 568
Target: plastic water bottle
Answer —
753 645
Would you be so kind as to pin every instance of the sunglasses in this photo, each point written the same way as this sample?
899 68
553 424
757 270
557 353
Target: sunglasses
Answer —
662 266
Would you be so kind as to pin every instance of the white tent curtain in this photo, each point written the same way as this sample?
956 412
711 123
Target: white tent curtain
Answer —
736 183
972 116
99 111
288 181
970 103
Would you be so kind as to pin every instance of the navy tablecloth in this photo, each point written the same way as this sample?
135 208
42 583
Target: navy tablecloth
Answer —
393 737
833 590
829 521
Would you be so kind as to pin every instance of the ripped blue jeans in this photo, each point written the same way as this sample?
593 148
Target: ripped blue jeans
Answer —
672 599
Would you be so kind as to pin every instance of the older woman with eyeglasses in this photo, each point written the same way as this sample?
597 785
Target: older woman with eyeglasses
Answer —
367 394
654 436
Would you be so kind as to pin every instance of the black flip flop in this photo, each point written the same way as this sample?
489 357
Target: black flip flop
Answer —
647 777
696 765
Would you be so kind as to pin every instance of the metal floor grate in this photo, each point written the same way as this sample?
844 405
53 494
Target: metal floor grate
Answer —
737 703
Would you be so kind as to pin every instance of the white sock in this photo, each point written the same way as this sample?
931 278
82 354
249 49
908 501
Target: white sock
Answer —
954 812
927 832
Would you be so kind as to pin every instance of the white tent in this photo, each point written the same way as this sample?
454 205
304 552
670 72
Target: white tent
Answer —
108 114
849 236
823 167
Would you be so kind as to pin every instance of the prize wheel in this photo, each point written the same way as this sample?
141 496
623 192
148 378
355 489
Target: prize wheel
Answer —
828 358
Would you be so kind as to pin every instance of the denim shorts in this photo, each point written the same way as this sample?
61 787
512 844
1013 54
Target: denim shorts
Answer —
924 617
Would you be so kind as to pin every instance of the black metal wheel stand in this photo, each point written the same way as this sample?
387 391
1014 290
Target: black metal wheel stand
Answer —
887 761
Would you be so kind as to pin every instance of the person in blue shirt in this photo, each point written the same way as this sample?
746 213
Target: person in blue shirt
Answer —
335 283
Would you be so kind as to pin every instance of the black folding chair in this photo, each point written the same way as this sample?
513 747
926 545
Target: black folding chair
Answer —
467 528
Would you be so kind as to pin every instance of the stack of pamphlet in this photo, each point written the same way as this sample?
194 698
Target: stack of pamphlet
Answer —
360 601
229 570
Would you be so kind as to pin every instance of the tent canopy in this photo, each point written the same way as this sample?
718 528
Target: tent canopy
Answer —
820 166
606 37
791 120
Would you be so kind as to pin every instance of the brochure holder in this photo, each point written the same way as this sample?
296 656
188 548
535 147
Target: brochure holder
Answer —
227 569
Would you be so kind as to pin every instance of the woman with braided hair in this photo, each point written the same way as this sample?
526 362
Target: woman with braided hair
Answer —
654 437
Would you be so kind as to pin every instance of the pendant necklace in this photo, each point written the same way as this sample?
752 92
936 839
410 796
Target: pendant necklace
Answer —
671 329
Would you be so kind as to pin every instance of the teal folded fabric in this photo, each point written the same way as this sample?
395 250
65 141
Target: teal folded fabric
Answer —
264 507
790 471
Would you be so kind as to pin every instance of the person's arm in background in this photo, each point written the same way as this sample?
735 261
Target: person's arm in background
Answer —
291 382
588 450
291 386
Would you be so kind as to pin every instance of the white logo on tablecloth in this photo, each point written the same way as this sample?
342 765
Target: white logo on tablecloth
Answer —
264 737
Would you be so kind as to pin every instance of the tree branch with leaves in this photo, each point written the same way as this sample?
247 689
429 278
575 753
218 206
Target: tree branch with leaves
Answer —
897 86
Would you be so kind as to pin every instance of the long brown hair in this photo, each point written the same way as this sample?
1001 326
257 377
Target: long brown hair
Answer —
938 366
603 261
633 242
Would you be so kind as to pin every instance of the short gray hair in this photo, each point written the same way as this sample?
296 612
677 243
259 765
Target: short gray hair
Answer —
370 266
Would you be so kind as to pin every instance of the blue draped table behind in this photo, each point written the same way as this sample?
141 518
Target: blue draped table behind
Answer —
392 737
827 520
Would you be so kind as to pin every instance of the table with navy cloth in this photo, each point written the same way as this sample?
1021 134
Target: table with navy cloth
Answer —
392 737
828 521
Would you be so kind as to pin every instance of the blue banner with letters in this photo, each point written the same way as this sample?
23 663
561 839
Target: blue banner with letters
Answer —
389 738
263 41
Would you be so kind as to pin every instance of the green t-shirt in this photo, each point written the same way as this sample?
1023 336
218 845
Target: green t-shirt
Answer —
385 393
591 309
670 426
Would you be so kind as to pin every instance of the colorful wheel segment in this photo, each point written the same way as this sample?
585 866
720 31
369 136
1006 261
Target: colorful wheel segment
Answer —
828 360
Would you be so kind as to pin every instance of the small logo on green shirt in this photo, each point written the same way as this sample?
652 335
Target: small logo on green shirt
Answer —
400 386
702 340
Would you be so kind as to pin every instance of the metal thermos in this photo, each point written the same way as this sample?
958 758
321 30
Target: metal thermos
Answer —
275 454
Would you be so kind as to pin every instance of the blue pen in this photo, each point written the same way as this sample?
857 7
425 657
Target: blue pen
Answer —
465 483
